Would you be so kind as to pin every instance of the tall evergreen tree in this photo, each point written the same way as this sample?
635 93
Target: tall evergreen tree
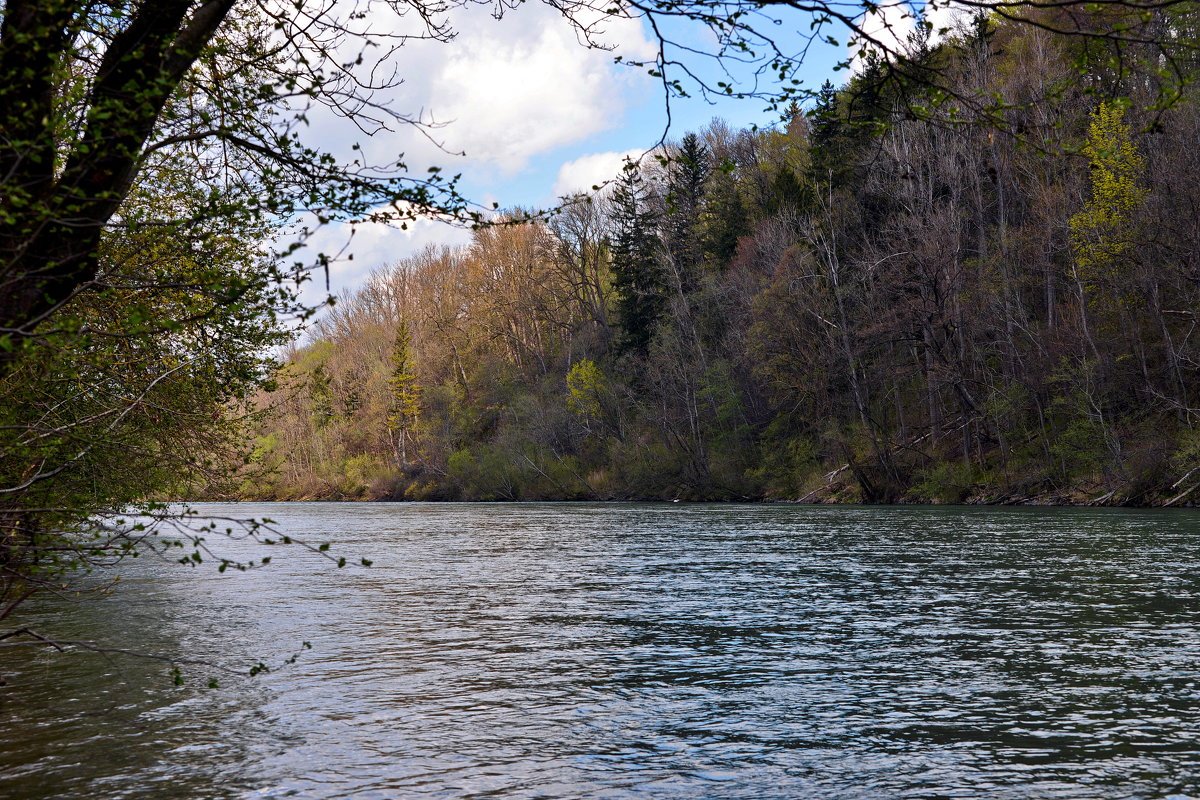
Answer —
727 219
638 274
844 122
686 181
832 137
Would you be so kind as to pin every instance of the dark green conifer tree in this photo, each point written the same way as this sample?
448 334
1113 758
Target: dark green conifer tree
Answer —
831 138
686 187
727 219
404 403
638 275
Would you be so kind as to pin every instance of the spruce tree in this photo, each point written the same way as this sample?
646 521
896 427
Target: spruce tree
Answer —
727 218
686 181
638 274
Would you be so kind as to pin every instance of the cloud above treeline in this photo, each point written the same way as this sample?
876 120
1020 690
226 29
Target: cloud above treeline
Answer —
893 22
498 96
580 175
500 93
510 98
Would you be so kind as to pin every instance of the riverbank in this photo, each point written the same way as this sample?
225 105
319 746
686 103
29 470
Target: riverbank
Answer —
841 486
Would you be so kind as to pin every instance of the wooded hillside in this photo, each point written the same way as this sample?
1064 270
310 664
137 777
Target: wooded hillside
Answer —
898 295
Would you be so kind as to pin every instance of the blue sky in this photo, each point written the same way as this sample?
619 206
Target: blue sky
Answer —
536 114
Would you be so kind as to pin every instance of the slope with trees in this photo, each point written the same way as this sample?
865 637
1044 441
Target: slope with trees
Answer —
887 298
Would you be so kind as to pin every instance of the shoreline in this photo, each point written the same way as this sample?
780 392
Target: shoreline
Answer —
1056 499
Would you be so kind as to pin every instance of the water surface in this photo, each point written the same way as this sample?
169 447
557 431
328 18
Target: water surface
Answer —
636 651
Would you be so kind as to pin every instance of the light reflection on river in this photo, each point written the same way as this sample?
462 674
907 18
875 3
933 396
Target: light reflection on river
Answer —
648 651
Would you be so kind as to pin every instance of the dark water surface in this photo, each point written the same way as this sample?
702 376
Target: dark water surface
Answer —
637 651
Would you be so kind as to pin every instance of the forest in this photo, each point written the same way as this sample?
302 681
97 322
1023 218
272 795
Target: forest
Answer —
981 290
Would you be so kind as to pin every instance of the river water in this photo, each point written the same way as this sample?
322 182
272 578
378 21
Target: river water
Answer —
634 651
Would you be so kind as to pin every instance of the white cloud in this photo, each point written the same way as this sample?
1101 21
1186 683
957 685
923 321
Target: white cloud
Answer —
526 85
523 98
583 173
502 91
505 91
357 251
893 21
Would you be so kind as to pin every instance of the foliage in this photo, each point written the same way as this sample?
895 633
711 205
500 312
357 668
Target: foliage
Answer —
586 387
638 277
1103 232
945 482
861 303
139 391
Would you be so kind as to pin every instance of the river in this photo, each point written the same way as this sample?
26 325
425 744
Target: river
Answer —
634 651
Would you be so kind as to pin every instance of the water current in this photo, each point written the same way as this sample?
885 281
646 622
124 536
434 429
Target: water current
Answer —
633 651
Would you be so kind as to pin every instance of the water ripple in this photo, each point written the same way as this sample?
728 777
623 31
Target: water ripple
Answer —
640 651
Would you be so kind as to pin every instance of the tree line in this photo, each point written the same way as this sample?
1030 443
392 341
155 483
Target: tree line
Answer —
889 297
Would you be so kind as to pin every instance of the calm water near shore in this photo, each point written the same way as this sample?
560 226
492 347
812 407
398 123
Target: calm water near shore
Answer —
635 651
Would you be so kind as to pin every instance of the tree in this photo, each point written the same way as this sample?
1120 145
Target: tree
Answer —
137 391
1103 233
93 92
638 275
96 95
404 407
149 155
587 388
686 178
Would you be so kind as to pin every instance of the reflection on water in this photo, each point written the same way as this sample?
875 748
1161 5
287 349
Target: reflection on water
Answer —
648 651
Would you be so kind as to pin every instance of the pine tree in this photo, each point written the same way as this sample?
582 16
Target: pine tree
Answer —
843 122
727 219
827 135
686 182
638 275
